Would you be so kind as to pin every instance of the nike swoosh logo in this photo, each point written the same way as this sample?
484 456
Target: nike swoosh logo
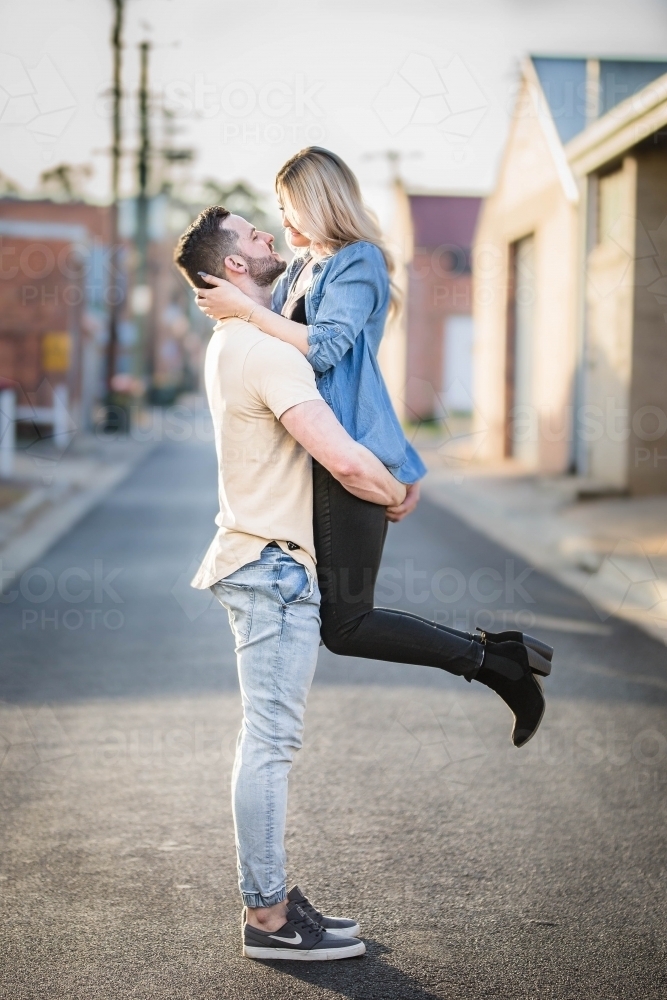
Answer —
297 939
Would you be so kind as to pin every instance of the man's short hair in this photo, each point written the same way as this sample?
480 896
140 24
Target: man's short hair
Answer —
204 246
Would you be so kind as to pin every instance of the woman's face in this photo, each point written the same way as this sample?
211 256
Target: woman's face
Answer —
294 237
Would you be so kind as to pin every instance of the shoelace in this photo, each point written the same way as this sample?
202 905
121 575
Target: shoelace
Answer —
308 923
314 914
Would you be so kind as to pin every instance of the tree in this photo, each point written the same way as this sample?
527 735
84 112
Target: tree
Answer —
240 198
65 182
8 187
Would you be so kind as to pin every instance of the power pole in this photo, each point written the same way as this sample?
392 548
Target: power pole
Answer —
143 354
116 154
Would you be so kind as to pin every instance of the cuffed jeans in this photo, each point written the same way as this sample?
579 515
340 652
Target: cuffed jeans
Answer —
273 606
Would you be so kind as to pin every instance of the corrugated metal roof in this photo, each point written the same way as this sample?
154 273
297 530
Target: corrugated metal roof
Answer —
566 84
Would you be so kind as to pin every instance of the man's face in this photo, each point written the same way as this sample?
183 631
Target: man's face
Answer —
255 249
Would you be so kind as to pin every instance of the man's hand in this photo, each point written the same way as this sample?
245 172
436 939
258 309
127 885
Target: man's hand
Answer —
223 300
411 500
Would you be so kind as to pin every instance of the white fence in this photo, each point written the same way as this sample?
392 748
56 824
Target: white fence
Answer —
57 416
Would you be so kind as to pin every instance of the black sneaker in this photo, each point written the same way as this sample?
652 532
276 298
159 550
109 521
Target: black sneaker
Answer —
300 939
344 926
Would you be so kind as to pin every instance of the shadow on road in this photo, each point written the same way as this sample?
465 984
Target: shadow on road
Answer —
367 978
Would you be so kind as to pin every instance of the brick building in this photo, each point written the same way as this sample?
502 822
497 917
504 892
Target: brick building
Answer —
53 293
56 286
427 353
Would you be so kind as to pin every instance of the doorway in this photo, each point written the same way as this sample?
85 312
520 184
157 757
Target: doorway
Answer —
521 425
609 328
457 372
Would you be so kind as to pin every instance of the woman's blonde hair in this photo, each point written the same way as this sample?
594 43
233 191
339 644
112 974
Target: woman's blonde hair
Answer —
322 199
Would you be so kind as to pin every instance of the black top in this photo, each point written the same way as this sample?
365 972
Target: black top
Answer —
298 314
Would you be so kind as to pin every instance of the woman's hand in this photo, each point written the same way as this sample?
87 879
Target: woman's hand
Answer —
223 299
411 500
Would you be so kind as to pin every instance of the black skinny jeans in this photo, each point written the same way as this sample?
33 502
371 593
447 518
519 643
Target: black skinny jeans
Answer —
349 538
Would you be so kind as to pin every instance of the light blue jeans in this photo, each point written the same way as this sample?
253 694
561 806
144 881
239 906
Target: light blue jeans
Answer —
273 606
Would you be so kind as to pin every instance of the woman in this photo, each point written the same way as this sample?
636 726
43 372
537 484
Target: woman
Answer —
332 304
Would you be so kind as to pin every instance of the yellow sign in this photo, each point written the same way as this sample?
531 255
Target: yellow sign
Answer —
56 352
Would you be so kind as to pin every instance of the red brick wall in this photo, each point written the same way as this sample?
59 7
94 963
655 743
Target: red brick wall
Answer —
433 294
95 218
36 298
42 291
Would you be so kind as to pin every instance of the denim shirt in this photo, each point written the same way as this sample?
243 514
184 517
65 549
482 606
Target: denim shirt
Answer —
346 309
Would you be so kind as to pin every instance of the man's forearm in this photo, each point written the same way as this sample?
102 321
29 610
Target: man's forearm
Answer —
368 479
315 427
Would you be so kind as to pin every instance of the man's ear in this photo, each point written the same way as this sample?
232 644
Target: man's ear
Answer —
236 264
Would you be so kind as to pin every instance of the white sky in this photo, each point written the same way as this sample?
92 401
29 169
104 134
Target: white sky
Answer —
282 75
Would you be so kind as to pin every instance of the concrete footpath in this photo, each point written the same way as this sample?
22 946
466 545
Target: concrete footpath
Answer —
611 549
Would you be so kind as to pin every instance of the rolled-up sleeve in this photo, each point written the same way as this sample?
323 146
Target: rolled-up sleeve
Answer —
349 298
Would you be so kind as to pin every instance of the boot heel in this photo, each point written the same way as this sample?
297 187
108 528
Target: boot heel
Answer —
541 648
537 663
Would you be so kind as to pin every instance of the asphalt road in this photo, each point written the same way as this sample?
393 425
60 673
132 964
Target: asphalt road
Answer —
476 870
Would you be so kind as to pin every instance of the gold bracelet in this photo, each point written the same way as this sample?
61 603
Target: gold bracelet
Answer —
246 319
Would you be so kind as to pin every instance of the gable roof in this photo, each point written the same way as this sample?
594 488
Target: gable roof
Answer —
544 117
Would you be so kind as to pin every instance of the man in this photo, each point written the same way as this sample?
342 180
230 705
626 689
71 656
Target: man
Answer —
269 419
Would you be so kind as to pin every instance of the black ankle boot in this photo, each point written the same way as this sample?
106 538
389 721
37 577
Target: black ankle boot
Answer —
505 669
539 653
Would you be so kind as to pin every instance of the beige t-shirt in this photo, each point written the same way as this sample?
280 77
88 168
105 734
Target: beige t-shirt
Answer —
264 475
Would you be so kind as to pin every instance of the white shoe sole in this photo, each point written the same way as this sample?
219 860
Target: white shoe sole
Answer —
302 955
353 931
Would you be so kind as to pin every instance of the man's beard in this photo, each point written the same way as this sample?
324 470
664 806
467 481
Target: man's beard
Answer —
265 270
